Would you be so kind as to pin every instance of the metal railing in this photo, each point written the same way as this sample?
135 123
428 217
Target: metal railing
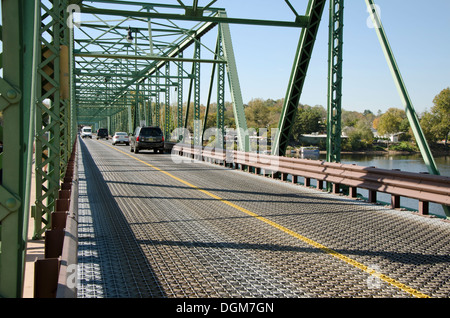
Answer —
52 273
424 187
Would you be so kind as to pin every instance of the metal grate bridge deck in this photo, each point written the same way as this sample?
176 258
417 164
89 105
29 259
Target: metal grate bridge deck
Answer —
149 227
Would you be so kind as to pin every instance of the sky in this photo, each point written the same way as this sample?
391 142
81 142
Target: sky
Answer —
418 32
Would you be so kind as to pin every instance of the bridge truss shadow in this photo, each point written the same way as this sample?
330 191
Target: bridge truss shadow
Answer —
111 263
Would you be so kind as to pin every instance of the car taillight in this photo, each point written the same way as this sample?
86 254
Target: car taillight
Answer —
126 137
137 138
163 138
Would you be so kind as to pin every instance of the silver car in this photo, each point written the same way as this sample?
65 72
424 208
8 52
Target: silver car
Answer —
120 138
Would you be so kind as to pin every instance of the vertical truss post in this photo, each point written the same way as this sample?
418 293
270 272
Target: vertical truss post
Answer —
298 76
73 113
211 84
167 114
136 118
145 106
65 147
137 107
123 120
235 89
208 101
197 123
49 163
334 107
117 123
220 94
129 115
180 93
150 106
150 110
150 37
403 92
157 103
17 104
112 124
188 103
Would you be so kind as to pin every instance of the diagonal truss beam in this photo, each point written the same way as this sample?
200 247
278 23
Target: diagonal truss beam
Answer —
298 76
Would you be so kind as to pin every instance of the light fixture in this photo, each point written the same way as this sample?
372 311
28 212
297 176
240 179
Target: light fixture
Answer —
129 35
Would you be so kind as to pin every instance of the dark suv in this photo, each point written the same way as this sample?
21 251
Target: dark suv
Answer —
102 133
147 138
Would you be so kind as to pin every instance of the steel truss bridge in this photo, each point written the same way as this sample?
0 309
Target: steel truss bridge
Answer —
120 64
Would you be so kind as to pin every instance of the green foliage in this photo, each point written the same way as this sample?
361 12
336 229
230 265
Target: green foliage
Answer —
429 122
436 125
350 118
262 114
404 146
392 121
309 120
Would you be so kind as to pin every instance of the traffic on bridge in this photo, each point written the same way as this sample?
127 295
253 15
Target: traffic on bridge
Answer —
151 225
125 172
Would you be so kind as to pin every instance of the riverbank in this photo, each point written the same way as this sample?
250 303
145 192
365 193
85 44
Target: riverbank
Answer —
439 150
388 152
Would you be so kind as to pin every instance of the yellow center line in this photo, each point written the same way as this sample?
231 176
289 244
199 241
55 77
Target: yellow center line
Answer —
313 243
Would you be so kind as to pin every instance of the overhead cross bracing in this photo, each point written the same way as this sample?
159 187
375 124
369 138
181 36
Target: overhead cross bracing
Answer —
120 61
131 58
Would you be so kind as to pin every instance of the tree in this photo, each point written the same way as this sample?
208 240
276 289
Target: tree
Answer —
350 118
308 120
359 137
261 114
391 121
368 115
363 128
441 110
428 122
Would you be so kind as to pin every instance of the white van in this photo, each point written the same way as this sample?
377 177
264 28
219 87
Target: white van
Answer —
86 132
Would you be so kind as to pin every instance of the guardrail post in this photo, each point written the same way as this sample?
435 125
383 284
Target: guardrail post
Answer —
395 201
308 182
319 184
46 277
353 192
336 188
372 196
424 207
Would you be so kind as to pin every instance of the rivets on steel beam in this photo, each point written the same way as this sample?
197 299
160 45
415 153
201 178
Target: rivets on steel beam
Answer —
11 203
11 94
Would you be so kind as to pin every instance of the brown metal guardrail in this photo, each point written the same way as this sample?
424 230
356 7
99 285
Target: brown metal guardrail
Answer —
61 241
424 187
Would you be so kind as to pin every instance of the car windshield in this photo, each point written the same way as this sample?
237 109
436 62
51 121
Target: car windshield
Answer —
87 130
121 134
151 132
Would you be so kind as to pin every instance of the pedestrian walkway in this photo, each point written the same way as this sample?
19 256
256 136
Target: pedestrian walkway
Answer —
34 251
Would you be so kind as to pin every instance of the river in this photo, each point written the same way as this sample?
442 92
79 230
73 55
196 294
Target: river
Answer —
410 163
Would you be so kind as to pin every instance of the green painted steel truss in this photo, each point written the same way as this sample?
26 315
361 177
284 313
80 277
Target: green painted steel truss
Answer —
140 63
127 63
